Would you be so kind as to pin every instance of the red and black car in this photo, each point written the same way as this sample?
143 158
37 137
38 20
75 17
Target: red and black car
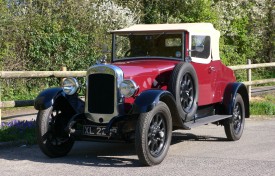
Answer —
162 77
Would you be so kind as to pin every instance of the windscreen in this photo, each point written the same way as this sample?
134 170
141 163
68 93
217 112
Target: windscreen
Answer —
148 45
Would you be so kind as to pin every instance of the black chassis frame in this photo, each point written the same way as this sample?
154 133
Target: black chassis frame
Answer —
144 102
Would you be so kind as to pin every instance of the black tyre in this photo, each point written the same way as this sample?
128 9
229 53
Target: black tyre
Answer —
234 126
153 135
184 86
51 137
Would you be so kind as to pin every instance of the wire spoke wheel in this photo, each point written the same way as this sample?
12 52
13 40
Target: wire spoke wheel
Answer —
157 135
187 92
237 118
153 135
234 126
56 134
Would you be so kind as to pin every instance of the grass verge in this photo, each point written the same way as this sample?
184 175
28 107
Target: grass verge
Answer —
263 105
15 131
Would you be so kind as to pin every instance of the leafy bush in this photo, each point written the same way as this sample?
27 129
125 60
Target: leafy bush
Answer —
245 28
177 11
47 34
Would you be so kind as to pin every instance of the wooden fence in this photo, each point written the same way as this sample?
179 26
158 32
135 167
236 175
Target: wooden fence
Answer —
64 73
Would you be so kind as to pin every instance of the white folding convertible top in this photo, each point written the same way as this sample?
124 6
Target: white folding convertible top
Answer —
192 28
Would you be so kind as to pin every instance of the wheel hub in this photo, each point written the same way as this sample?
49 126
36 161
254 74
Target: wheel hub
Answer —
185 92
155 130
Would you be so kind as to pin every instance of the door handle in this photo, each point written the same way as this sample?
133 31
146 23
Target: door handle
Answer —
211 69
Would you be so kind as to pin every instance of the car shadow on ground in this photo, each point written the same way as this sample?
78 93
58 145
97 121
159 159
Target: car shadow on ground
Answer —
96 154
178 137
105 154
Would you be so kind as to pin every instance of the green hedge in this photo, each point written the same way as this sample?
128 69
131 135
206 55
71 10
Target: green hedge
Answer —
48 34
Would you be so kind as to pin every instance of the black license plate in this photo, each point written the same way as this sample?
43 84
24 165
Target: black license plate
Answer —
92 130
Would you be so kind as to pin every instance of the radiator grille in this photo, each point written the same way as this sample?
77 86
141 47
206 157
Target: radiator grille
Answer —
101 93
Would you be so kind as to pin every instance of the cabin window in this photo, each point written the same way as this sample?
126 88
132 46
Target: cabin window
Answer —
200 46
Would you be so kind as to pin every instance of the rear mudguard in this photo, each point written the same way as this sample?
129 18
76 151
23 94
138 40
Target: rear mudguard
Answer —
230 93
48 97
148 99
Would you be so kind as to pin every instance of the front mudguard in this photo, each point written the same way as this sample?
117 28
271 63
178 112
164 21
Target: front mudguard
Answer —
148 99
229 98
48 97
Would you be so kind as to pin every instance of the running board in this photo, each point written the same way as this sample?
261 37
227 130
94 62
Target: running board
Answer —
206 120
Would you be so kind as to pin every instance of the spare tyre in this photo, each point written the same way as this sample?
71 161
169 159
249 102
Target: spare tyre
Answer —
184 86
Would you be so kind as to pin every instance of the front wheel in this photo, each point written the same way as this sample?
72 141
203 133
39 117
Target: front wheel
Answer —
51 137
153 135
234 126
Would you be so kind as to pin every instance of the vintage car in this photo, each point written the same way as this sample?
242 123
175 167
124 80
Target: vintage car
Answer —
161 77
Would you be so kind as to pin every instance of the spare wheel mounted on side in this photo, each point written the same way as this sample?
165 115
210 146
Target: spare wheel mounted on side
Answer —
184 86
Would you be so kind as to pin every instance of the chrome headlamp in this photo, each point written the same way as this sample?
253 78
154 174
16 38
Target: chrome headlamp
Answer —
128 88
70 86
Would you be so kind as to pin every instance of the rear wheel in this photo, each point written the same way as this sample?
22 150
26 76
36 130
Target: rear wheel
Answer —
234 126
153 135
51 137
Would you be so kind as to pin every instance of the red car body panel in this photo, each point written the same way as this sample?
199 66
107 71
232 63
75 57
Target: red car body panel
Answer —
148 74
212 78
155 74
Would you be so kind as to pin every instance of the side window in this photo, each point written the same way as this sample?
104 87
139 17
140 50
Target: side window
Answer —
200 46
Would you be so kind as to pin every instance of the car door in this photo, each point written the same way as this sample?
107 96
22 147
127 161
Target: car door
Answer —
206 69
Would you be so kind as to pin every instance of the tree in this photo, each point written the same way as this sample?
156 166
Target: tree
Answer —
245 26
178 11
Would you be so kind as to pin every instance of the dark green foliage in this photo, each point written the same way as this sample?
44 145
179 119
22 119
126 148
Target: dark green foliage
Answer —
181 11
246 30
48 34
56 47
45 35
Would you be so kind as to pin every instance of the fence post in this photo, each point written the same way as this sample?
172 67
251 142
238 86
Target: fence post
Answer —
249 75
61 80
